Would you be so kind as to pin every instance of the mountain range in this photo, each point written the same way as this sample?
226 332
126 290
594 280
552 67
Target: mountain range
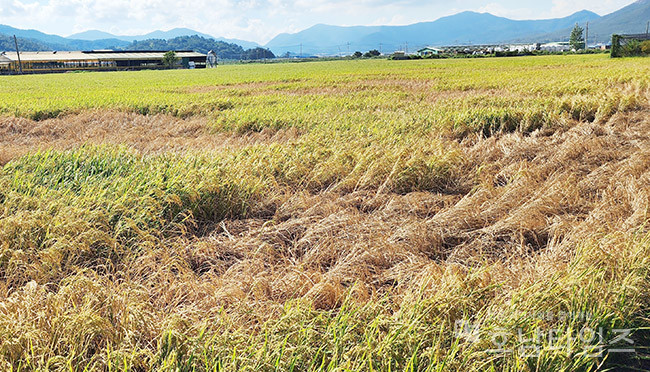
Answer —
632 19
55 42
459 29
95 39
462 28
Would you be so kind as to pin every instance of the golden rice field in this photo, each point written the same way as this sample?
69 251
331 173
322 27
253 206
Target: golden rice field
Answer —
431 215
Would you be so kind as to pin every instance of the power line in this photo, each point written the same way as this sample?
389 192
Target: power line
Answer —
20 64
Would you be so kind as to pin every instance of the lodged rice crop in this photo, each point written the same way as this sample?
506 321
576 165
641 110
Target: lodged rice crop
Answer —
377 215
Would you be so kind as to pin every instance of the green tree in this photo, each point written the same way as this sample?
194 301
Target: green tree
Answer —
645 47
196 43
632 48
577 39
357 54
257 53
169 59
7 43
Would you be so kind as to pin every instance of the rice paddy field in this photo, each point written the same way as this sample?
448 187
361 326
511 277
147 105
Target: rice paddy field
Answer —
430 215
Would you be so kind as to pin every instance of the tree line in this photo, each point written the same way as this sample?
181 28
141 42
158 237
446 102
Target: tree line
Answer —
7 44
201 44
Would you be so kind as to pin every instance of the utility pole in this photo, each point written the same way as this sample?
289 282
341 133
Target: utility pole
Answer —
20 64
348 48
587 37
300 50
380 48
407 47
647 28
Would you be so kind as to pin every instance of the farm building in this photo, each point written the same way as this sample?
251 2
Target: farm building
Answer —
43 62
429 51
5 62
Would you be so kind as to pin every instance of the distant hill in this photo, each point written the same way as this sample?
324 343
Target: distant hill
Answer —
164 35
7 44
98 35
323 39
92 35
201 44
55 42
462 28
194 42
95 39
243 43
629 20
34 35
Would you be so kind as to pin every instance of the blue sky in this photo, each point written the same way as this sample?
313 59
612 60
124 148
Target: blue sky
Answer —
260 20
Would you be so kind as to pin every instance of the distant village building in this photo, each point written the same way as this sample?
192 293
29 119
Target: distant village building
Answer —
523 47
96 60
556 47
428 51
400 54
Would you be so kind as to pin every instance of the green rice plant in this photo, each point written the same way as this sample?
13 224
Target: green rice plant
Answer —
326 216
